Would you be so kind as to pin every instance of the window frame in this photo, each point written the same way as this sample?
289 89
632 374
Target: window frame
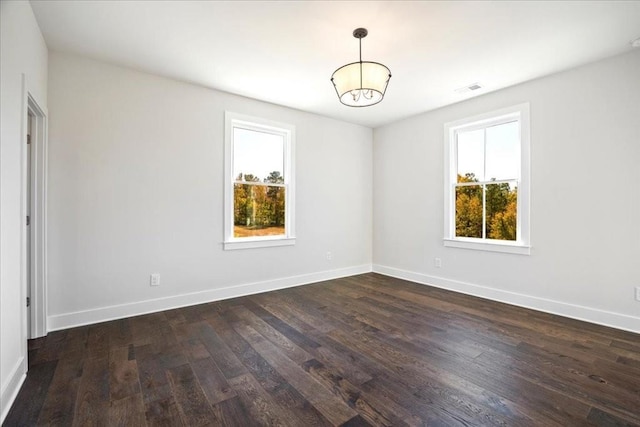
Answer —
257 124
522 245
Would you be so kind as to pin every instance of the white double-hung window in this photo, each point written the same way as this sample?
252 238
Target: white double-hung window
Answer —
259 182
487 181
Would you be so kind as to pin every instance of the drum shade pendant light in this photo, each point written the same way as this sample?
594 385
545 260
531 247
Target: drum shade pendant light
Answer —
361 83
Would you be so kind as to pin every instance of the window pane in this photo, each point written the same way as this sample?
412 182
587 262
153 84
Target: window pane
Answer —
470 156
257 155
501 204
469 211
258 210
503 151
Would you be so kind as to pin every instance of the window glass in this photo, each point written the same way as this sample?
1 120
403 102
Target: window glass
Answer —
501 205
469 211
471 155
257 154
502 151
258 210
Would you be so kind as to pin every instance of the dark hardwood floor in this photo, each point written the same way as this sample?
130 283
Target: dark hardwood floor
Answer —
364 350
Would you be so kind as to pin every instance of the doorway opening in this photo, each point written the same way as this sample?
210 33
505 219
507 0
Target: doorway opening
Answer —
29 189
35 190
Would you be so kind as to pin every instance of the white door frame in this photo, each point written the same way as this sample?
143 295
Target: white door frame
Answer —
38 265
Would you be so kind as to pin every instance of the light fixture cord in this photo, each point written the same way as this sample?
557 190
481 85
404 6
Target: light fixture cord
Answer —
360 41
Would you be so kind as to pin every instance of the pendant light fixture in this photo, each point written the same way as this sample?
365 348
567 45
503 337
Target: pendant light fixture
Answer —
362 83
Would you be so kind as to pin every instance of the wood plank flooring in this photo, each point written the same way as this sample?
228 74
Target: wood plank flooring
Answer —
364 350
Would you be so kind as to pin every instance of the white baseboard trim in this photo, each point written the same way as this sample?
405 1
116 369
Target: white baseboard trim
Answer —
11 388
103 314
587 314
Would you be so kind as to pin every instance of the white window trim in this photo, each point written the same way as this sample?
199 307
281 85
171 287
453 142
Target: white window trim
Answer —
261 125
523 244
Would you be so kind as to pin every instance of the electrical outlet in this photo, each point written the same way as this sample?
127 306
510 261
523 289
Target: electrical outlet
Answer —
329 256
155 279
437 262
637 293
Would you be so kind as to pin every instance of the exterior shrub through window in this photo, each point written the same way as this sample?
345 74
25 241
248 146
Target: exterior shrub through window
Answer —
486 169
259 171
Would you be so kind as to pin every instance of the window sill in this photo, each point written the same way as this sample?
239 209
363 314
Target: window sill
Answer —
504 247
231 245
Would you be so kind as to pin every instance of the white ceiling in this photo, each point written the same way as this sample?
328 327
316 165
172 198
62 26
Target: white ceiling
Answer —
284 52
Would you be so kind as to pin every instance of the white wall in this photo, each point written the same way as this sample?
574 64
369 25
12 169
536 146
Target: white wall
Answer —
585 214
22 51
136 186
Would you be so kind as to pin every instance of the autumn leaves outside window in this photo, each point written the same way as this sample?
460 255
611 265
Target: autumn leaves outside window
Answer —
259 208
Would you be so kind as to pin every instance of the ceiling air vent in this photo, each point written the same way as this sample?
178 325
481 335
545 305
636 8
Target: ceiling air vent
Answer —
470 88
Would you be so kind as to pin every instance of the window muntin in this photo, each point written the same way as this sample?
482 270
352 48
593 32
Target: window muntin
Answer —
259 183
486 182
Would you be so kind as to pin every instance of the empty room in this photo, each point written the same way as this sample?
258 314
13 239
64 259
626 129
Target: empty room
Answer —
331 213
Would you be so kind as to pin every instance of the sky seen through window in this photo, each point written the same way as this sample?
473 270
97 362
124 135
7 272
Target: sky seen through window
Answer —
257 153
496 158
